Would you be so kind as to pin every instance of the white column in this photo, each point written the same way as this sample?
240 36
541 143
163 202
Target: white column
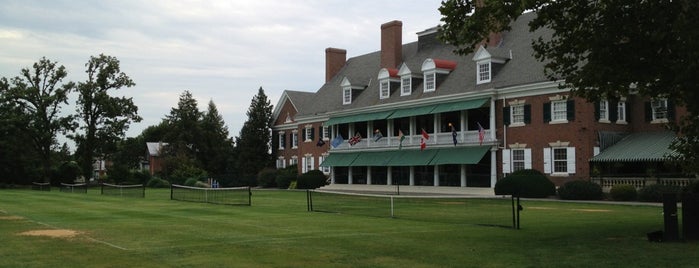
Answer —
412 175
436 175
332 175
436 128
368 175
411 131
389 126
463 175
389 176
464 126
493 167
492 119
369 133
349 175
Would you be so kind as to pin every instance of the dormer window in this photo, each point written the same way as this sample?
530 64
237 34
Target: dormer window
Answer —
433 67
406 80
386 77
486 65
346 95
348 91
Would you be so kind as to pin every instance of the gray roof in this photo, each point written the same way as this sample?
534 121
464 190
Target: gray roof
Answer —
155 147
363 70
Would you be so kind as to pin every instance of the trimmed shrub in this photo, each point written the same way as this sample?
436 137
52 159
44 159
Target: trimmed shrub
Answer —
654 192
580 190
286 176
311 180
267 178
623 192
190 182
527 183
156 182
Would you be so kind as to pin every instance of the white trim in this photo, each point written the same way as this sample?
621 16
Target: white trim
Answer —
484 76
506 159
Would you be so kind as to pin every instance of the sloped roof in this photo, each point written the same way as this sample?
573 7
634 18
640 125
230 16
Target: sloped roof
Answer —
155 147
639 147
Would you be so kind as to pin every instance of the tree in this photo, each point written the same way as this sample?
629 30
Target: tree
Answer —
16 162
254 143
217 146
184 135
105 119
39 93
602 49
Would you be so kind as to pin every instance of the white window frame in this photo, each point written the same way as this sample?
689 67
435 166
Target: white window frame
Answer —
659 110
430 81
406 85
508 163
517 115
568 162
307 163
621 112
384 88
294 160
559 111
346 95
294 139
326 133
281 138
281 162
309 132
604 111
321 159
483 72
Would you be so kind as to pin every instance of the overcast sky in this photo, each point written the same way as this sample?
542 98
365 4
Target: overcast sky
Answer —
218 50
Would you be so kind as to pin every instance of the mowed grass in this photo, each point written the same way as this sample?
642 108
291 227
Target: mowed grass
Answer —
277 231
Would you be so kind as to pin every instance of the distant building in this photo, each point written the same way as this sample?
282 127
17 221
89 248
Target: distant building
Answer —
418 114
154 159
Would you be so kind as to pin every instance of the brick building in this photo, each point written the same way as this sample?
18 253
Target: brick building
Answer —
418 114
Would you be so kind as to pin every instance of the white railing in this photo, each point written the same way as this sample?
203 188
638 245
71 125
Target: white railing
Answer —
444 138
638 182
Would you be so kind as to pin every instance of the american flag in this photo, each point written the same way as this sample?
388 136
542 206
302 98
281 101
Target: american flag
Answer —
481 133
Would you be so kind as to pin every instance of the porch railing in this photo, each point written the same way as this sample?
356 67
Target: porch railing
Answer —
639 182
443 138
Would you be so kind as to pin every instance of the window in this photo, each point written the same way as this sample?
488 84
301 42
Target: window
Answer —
621 112
385 89
281 163
294 140
294 161
325 170
346 95
307 162
559 160
405 85
430 81
282 140
516 159
659 109
326 134
517 114
483 72
604 111
308 134
558 111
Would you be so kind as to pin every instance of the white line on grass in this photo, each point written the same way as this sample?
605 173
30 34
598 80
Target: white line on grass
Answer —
86 236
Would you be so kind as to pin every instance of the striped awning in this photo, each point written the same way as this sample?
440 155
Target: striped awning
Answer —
639 147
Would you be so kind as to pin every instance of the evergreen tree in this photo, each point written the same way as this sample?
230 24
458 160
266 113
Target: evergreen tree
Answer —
217 146
253 150
184 136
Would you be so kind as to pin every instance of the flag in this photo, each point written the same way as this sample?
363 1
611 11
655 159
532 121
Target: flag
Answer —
425 135
320 142
337 141
400 139
453 133
481 133
356 139
422 144
377 135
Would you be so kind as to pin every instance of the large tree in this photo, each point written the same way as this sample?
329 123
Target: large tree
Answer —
104 119
217 146
16 162
602 49
39 93
184 136
253 145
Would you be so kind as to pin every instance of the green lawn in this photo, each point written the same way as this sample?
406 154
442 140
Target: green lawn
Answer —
277 231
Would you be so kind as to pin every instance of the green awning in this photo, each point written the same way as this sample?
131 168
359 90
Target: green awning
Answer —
459 106
358 118
373 159
420 110
464 155
639 147
339 159
412 158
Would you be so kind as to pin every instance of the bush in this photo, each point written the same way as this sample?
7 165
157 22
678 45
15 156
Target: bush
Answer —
580 190
311 180
190 182
691 188
654 192
526 183
623 192
267 178
156 182
286 176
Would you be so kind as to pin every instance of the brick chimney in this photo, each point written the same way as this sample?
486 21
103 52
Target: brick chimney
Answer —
335 58
493 38
391 44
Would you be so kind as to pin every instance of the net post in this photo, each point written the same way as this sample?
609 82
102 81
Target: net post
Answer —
308 200
171 191
102 188
144 190
392 215
249 196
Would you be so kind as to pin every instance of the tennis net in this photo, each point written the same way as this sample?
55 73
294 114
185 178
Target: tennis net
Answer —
226 196
442 209
134 190
41 186
74 188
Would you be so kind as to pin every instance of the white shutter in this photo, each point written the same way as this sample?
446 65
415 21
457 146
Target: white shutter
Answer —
595 150
303 164
506 159
313 160
547 160
570 154
528 158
